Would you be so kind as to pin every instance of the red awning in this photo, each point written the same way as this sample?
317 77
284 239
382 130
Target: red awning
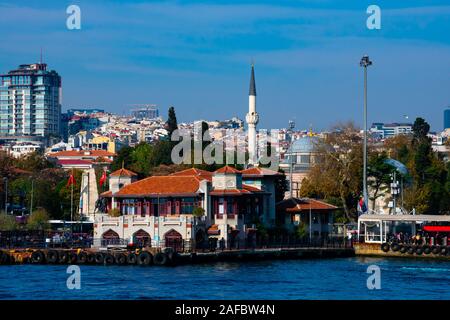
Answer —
437 228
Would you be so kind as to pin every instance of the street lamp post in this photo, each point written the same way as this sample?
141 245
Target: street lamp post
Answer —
365 62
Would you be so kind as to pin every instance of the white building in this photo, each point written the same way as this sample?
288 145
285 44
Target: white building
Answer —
161 208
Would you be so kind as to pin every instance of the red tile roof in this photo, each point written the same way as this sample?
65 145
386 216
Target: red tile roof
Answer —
82 153
123 173
304 204
227 169
194 172
68 162
259 172
106 194
217 192
161 185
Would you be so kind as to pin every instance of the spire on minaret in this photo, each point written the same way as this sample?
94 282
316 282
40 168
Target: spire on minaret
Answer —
252 119
252 91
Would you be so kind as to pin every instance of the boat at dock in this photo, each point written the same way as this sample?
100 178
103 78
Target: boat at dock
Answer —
403 235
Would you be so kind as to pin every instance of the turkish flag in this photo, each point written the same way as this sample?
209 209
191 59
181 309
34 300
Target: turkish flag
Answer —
71 180
103 178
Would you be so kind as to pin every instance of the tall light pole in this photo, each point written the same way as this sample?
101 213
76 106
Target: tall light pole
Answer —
365 62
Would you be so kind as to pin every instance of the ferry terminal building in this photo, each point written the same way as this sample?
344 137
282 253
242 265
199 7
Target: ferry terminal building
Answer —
158 210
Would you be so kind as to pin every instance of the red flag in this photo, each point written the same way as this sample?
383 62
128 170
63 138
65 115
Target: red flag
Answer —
103 178
71 180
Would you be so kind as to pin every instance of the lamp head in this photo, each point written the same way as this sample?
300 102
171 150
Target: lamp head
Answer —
365 62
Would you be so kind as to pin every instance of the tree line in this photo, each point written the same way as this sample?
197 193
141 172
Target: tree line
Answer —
337 174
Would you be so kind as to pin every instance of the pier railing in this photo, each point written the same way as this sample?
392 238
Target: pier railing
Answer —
269 243
41 240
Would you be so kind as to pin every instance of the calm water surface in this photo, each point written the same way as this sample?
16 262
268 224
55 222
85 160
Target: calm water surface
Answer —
295 279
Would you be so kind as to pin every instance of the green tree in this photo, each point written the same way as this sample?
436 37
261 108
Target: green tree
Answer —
302 230
33 162
20 191
198 212
123 158
162 151
280 186
7 222
38 220
337 173
141 158
428 192
171 123
379 176
420 129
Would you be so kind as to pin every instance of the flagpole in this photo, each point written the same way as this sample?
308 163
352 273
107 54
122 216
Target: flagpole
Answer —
310 221
71 205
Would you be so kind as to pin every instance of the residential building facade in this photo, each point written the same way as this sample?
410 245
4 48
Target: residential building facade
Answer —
447 118
30 101
388 130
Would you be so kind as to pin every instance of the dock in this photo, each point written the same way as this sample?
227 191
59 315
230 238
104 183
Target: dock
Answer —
402 251
148 257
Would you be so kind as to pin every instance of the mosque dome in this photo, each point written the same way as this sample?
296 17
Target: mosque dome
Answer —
305 144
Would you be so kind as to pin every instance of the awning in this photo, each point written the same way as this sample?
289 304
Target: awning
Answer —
418 218
437 228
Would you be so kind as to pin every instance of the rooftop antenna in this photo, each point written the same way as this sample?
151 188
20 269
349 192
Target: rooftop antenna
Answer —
40 62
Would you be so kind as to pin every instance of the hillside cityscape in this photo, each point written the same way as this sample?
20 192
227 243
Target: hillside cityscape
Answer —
41 146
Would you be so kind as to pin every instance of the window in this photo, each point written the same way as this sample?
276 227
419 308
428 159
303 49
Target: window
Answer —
315 219
221 202
305 159
188 205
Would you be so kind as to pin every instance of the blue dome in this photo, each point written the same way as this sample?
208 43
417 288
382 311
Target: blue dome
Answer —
305 144
400 167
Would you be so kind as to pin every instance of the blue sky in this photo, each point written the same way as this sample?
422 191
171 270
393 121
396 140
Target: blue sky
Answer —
196 56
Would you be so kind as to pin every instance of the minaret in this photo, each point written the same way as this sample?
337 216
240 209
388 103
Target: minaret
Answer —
252 119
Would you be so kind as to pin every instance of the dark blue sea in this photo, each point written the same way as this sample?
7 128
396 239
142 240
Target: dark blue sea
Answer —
295 279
